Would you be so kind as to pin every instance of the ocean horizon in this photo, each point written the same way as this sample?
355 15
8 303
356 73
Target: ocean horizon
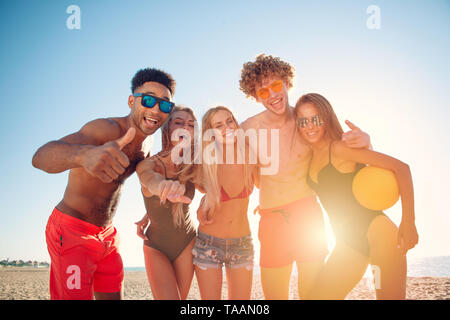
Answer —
438 266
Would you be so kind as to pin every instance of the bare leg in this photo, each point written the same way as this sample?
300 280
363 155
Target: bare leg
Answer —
388 262
343 270
275 282
184 270
239 283
307 274
209 283
108 295
161 275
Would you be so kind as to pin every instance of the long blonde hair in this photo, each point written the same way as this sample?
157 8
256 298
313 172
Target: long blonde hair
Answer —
187 171
209 170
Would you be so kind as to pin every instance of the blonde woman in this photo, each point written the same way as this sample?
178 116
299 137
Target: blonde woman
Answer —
168 189
224 233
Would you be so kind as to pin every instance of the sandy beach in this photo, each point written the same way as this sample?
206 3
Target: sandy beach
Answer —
32 284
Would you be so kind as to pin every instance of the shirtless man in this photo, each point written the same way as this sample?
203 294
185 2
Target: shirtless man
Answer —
291 226
81 240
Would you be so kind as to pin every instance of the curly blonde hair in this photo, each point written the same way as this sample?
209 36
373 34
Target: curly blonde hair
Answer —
264 66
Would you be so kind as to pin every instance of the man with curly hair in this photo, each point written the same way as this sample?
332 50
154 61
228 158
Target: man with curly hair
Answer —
291 227
81 240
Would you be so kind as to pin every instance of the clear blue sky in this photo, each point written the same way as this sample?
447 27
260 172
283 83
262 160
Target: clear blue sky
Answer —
392 82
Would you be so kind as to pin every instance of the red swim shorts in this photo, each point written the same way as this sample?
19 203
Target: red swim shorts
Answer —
292 232
84 258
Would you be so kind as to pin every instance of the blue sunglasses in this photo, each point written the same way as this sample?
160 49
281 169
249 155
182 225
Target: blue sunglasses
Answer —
150 101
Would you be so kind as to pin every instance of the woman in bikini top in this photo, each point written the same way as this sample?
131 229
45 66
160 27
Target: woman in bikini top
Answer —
223 213
243 195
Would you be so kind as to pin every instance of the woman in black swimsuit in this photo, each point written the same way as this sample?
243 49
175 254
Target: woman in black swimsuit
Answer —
363 236
168 189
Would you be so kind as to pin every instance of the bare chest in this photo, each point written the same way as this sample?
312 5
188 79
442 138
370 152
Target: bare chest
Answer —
286 147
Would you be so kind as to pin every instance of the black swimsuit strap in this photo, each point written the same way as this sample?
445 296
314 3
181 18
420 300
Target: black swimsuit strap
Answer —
165 170
329 161
329 152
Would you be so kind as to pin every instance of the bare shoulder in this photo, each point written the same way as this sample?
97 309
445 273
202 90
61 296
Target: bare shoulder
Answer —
150 163
338 147
341 150
253 122
103 130
147 163
106 129
95 132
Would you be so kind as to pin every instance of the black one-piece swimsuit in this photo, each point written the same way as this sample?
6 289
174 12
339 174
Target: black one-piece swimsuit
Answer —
162 233
349 220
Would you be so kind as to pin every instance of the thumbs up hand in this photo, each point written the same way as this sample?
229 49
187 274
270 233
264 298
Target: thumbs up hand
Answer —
126 139
107 162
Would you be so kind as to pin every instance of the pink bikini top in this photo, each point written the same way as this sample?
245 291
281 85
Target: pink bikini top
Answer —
225 197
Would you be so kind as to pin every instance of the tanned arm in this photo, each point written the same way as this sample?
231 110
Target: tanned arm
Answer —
92 148
408 236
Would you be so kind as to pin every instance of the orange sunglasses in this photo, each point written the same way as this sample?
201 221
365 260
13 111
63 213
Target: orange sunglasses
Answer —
275 86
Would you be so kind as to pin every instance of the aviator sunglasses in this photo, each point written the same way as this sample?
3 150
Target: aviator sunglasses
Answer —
150 101
315 121
275 86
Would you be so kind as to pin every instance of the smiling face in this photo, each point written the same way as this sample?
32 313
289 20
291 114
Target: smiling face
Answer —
148 120
181 120
276 102
224 121
310 124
